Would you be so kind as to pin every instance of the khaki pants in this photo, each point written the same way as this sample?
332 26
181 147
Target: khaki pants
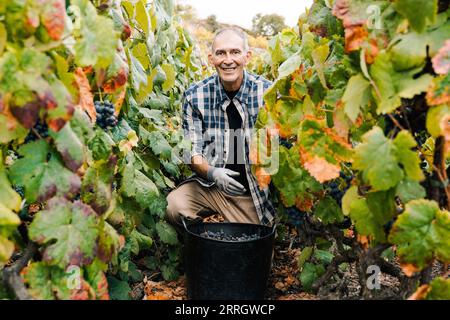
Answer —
195 202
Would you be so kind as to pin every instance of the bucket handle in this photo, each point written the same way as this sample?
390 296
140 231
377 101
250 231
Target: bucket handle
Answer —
184 223
274 227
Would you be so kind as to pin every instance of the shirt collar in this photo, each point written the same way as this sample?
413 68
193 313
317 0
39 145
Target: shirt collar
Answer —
241 95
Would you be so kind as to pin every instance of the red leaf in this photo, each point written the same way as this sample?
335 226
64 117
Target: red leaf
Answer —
27 114
441 61
85 97
53 18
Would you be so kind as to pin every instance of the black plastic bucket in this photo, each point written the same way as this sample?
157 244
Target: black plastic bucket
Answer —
226 270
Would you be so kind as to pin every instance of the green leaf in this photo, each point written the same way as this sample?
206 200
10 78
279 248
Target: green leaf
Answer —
96 39
118 290
138 185
68 230
96 188
109 243
294 183
418 12
166 233
170 77
439 289
409 159
304 256
421 233
6 247
356 96
142 16
348 198
323 256
434 116
41 177
157 142
311 273
158 206
391 86
101 145
46 282
9 198
9 201
169 272
376 157
289 66
408 190
70 147
3 38
382 206
138 74
143 241
319 55
9 134
366 222
410 50
329 211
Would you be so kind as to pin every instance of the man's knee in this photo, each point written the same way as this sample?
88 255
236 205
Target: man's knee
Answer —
174 207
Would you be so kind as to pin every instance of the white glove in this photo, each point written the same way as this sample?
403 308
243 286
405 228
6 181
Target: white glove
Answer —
223 180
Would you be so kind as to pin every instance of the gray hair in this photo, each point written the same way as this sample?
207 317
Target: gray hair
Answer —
237 31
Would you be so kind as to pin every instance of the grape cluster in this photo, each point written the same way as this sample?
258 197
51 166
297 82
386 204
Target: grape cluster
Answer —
285 143
221 235
337 190
105 114
40 128
295 216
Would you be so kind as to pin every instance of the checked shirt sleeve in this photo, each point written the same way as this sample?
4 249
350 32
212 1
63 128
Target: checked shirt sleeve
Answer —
192 127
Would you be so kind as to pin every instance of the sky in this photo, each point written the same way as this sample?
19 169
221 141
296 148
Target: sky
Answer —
241 12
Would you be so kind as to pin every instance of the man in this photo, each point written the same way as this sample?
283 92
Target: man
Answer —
218 115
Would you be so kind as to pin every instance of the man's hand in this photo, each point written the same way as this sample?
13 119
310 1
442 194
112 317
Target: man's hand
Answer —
224 180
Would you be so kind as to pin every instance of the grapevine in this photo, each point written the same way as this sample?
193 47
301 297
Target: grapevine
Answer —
367 118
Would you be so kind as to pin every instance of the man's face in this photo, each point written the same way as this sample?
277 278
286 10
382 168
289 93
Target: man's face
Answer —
229 57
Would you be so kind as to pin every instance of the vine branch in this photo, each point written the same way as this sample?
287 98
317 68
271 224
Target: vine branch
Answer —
11 275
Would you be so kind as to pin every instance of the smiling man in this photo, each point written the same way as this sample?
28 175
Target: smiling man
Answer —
218 116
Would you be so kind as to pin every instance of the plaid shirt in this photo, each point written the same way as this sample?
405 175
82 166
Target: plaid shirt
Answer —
205 125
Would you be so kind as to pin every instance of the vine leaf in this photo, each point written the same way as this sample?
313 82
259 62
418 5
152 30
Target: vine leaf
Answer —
410 9
379 158
68 230
368 222
138 185
10 129
96 188
356 96
9 201
394 85
51 283
170 77
166 233
329 211
421 233
96 38
42 174
53 18
322 149
85 97
409 189
70 147
296 185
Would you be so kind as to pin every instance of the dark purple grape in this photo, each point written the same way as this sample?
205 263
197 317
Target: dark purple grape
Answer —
105 114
